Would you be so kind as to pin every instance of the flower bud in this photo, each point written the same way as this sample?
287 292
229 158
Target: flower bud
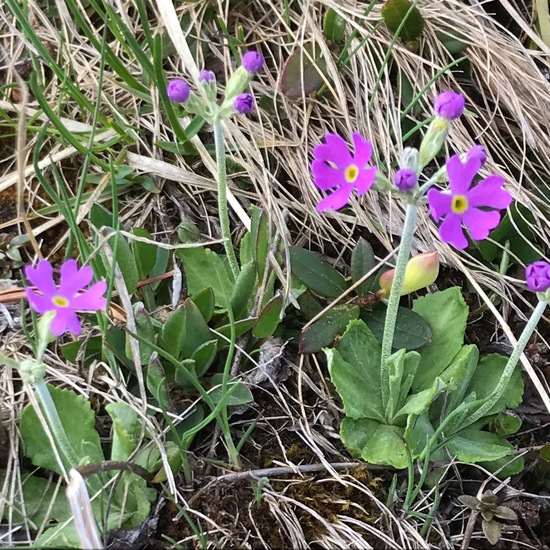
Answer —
409 159
243 103
405 179
433 141
449 105
252 61
477 152
178 90
421 271
207 81
31 371
537 276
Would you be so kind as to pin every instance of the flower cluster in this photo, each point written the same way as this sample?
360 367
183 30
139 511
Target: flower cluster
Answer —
67 297
236 100
461 206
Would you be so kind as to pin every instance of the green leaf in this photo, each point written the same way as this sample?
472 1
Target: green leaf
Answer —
204 300
245 249
476 446
124 257
145 330
446 313
100 216
127 426
78 420
240 394
355 434
156 382
386 446
418 432
269 318
144 253
355 372
204 356
486 377
506 423
458 374
419 402
203 269
395 11
196 329
491 530
331 324
411 330
242 326
334 26
316 273
185 372
362 261
301 76
42 502
260 238
505 467
396 365
173 333
453 41
243 291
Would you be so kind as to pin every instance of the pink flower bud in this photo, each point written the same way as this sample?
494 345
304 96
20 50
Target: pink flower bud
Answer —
422 271
252 61
243 103
537 276
449 105
178 90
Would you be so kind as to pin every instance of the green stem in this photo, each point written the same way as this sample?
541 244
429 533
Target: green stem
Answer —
510 365
395 295
222 199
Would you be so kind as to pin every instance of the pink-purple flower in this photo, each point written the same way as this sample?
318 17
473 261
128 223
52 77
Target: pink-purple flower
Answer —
334 167
537 276
65 298
476 208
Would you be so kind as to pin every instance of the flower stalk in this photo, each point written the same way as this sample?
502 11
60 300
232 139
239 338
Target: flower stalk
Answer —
511 364
395 295
222 199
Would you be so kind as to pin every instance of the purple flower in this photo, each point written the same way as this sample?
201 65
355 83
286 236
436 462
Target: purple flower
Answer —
449 105
476 208
178 90
65 298
405 179
243 103
206 76
477 151
252 61
537 276
335 167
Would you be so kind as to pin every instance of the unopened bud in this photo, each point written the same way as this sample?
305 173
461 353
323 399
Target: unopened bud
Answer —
421 271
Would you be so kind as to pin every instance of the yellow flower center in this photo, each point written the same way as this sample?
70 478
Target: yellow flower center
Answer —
351 173
60 301
459 204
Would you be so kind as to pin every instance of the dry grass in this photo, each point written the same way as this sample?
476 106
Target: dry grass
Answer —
508 99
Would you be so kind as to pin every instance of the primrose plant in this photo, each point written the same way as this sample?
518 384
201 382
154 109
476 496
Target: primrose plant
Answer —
66 439
442 398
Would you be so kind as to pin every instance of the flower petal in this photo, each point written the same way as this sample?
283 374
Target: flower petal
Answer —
335 200
365 179
480 223
91 299
451 231
489 192
41 277
39 303
461 174
334 150
65 318
325 176
73 279
362 150
439 203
